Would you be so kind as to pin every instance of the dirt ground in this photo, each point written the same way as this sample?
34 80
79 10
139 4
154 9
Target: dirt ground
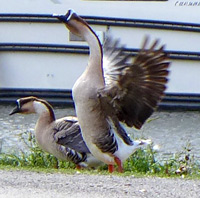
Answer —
19 184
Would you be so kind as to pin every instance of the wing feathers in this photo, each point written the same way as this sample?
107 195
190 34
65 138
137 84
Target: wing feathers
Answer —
134 90
68 134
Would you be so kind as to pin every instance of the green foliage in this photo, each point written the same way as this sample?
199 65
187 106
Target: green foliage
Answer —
35 157
143 161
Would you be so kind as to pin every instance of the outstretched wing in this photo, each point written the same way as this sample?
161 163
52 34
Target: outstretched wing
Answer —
67 133
133 90
114 59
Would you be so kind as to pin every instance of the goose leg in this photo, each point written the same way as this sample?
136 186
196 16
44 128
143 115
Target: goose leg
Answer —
110 168
119 164
78 167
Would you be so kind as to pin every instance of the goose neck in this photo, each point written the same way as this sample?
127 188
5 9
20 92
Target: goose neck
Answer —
45 112
95 56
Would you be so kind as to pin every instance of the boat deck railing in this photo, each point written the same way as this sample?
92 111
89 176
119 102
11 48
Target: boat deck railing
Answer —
108 21
79 49
171 101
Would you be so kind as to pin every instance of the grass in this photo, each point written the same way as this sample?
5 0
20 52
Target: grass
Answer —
142 162
34 158
146 162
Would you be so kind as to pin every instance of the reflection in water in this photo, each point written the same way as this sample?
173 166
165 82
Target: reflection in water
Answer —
172 131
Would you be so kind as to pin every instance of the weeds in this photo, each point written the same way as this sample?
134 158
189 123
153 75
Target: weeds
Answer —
35 157
143 161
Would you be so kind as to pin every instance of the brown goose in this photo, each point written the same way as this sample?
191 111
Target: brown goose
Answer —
106 95
62 137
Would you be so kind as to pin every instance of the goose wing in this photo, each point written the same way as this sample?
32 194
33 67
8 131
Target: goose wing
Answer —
133 89
67 133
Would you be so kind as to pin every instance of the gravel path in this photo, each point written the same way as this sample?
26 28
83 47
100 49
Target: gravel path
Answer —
19 184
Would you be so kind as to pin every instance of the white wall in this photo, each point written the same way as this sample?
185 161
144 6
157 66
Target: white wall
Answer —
40 70
54 70
169 10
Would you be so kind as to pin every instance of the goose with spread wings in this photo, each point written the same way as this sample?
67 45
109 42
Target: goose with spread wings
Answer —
112 90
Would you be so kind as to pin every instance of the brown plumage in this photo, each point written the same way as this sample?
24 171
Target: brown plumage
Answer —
112 90
140 85
62 137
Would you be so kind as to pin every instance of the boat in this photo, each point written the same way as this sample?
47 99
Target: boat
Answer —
38 56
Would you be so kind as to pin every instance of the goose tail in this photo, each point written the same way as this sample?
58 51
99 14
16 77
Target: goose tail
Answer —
141 143
126 151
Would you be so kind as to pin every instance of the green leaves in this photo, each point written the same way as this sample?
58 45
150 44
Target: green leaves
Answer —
33 156
142 162
146 161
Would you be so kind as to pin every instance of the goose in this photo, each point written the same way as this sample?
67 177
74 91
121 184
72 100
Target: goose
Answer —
62 137
114 90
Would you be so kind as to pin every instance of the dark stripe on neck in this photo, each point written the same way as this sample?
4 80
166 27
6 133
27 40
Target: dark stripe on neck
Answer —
99 43
49 107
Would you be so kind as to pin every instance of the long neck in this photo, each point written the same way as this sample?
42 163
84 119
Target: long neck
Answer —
95 58
46 115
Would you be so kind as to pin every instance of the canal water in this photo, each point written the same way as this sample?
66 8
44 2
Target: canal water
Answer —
171 132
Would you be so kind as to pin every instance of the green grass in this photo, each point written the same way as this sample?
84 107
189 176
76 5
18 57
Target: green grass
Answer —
143 162
34 158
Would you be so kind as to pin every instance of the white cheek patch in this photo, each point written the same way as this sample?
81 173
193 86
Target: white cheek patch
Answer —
39 107
18 104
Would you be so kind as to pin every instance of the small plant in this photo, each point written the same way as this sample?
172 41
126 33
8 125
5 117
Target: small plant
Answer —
34 157
143 161
187 163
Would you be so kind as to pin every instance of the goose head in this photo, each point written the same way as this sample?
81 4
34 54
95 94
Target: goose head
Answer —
31 104
73 22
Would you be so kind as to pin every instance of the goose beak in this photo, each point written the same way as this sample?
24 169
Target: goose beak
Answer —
64 18
15 110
